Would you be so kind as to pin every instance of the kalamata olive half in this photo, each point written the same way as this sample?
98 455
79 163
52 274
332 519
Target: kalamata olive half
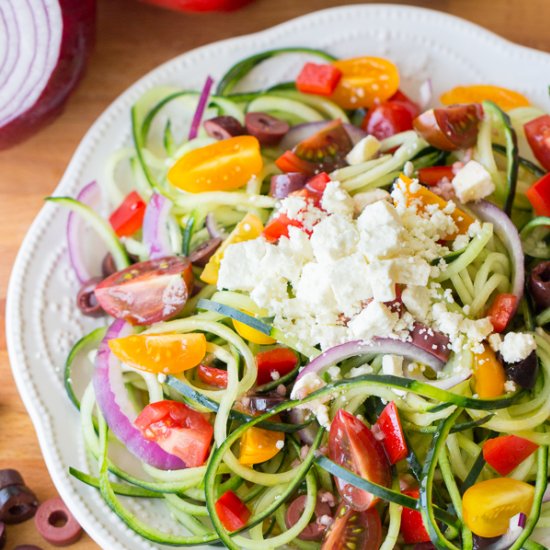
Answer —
223 127
539 284
315 530
430 340
284 184
108 266
204 252
56 524
9 477
268 129
86 300
524 373
17 504
260 403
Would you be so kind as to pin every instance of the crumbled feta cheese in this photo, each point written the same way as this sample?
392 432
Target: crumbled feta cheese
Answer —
280 444
309 383
473 182
517 346
380 277
417 300
333 238
393 365
365 149
410 270
375 320
380 230
495 341
314 288
235 271
336 200
360 200
359 371
510 386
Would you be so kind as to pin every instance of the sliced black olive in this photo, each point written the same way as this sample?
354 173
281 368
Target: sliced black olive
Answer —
204 252
17 504
539 284
223 127
86 300
268 129
524 373
260 403
9 477
56 524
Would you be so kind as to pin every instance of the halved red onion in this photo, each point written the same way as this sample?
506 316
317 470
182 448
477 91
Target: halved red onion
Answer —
377 346
155 226
115 405
303 131
45 46
90 195
284 184
201 107
506 231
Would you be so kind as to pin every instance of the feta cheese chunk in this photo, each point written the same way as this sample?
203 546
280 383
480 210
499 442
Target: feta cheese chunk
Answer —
381 281
240 266
417 301
473 182
308 384
380 229
365 149
517 346
333 238
393 365
375 320
336 200
369 197
314 289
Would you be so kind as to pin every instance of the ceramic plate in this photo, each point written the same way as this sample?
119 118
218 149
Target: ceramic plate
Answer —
42 322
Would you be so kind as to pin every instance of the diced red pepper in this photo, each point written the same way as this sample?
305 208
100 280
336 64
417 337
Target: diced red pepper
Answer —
537 132
506 452
319 79
389 425
128 217
412 525
501 311
539 196
319 182
232 511
432 175
278 227
277 360
291 162
212 376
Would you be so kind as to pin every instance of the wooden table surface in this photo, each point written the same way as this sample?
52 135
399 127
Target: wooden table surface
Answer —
132 39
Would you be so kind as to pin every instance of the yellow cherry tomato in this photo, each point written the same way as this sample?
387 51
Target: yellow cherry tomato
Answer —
425 196
259 445
160 353
488 505
504 98
489 375
222 166
250 227
365 82
251 334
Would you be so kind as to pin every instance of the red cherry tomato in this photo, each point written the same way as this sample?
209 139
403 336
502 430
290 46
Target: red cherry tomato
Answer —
290 162
501 311
232 511
352 445
278 360
412 524
389 425
432 175
352 529
539 196
147 292
506 452
212 376
407 102
319 79
450 128
318 183
128 217
177 429
199 5
538 135
388 119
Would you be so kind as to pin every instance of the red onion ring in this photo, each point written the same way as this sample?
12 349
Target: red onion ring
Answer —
201 107
46 46
90 195
155 227
302 131
378 345
114 403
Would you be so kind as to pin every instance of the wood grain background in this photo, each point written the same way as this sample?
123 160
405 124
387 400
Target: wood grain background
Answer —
132 39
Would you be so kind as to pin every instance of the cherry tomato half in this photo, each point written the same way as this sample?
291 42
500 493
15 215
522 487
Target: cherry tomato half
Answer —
432 175
389 425
352 445
232 511
502 310
506 452
212 376
279 360
537 133
128 217
387 119
412 524
178 430
504 98
352 529
450 128
539 196
147 292
222 166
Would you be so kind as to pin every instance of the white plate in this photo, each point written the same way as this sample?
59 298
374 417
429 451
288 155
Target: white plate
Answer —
41 320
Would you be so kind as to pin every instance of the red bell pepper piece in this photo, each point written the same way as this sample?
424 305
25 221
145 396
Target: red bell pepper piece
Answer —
501 311
319 79
432 175
412 525
537 132
507 452
276 360
318 183
128 217
539 196
412 107
232 511
212 376
278 227
389 425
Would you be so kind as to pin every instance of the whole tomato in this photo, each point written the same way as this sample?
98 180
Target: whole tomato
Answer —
199 5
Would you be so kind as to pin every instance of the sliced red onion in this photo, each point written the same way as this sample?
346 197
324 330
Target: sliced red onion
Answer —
90 195
506 231
212 227
284 184
426 92
451 381
298 416
303 131
115 405
517 524
45 47
155 227
377 346
431 340
201 107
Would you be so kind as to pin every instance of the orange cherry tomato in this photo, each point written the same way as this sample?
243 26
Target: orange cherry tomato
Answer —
251 334
259 445
222 166
365 82
160 353
489 374
504 98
